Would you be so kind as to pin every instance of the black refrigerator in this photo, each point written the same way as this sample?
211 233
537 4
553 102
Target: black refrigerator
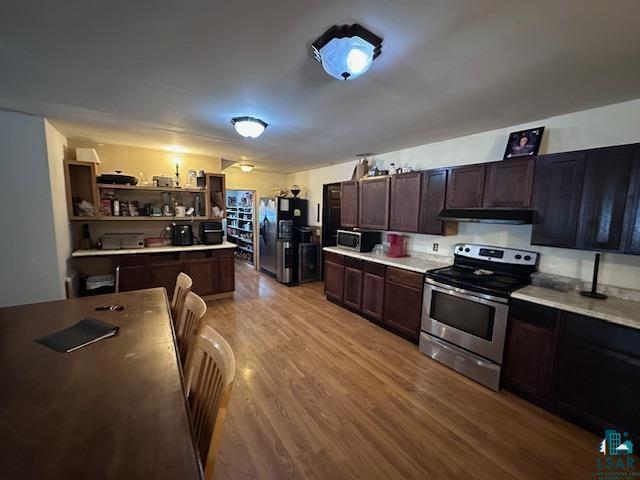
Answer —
278 218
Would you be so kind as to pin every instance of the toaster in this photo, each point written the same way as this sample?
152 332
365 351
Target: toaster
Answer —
118 241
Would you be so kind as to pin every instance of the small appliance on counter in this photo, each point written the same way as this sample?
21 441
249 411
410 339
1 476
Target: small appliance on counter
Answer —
182 235
397 245
117 178
360 241
119 241
211 233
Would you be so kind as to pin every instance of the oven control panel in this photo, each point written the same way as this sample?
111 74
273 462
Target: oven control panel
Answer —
496 254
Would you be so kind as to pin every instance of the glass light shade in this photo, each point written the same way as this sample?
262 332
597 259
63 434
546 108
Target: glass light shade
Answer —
346 58
245 167
249 127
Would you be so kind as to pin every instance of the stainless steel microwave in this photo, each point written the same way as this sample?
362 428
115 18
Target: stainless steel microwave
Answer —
359 241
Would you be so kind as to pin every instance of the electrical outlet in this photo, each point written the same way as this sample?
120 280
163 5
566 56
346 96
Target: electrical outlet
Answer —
435 247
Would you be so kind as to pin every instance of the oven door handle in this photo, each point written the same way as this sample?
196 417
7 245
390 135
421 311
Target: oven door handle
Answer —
458 351
466 294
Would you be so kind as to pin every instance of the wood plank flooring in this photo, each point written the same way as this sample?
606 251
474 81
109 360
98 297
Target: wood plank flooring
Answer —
321 393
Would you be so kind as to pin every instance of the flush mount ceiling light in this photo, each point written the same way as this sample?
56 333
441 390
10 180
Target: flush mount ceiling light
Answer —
246 167
248 127
347 51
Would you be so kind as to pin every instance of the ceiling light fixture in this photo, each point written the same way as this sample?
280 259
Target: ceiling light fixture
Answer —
347 51
246 167
249 127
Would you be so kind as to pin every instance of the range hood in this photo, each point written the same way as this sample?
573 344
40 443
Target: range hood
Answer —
510 216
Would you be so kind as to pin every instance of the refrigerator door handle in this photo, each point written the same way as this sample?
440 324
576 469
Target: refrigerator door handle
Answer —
264 227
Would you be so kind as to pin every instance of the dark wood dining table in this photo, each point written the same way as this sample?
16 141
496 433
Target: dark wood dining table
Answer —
114 409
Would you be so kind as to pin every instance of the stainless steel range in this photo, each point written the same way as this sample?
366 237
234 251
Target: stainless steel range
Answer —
466 306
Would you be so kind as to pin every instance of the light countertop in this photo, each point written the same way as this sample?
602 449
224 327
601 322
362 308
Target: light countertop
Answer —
614 310
133 251
414 263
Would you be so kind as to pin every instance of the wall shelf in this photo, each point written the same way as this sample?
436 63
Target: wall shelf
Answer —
146 188
138 219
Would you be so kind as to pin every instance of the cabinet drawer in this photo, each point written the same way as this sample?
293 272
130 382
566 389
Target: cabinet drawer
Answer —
334 257
604 334
353 262
533 314
223 253
405 277
375 268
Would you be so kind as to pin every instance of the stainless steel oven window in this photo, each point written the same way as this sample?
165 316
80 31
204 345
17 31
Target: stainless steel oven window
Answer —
491 348
465 315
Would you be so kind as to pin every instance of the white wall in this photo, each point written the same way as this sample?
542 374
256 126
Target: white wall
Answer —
56 144
30 270
609 125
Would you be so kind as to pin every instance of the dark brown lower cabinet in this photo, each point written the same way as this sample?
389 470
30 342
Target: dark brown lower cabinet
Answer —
212 273
334 280
164 274
352 283
391 297
373 290
581 368
403 303
530 350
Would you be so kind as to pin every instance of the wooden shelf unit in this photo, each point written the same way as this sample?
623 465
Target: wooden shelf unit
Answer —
81 184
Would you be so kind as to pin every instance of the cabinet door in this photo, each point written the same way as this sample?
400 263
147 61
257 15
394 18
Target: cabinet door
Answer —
202 272
352 287
604 195
133 277
349 204
433 197
509 183
164 275
405 202
334 281
465 186
557 189
373 295
226 274
632 213
402 309
530 349
373 202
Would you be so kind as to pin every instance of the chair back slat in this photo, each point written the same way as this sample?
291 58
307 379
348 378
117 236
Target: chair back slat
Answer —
209 378
180 291
189 324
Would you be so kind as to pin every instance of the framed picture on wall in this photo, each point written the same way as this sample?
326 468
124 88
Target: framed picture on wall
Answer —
524 143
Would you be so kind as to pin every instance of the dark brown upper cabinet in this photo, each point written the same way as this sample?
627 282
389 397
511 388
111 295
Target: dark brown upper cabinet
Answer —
604 197
373 197
405 202
557 189
349 204
632 213
509 183
465 186
432 200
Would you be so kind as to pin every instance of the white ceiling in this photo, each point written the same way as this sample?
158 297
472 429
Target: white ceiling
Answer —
153 73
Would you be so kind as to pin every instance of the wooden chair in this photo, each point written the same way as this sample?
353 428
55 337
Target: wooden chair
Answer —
189 324
209 377
183 286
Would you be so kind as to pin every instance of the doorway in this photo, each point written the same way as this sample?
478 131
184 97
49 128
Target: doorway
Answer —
240 225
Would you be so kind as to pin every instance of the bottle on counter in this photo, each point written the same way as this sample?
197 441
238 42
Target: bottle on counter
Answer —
116 207
198 206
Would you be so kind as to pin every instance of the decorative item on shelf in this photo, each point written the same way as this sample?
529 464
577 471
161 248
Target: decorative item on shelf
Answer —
594 282
180 211
191 178
524 143
392 169
143 181
347 51
201 179
83 208
162 181
362 166
374 172
177 174
295 191
105 207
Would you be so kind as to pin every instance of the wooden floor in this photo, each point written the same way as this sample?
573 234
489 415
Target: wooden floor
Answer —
322 393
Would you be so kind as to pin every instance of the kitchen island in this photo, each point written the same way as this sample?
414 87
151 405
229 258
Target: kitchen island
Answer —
211 267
